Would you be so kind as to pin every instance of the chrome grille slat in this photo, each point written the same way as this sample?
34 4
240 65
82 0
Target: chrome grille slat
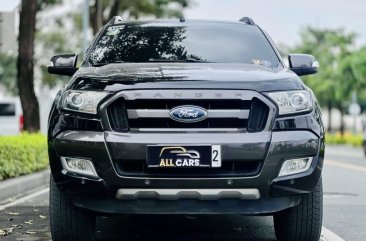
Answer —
160 113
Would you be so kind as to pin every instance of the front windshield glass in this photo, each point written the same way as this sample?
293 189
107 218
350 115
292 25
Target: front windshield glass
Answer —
213 43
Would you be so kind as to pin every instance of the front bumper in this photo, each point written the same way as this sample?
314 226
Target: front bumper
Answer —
103 147
111 206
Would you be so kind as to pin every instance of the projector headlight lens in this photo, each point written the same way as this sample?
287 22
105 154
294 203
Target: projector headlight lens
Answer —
76 100
82 101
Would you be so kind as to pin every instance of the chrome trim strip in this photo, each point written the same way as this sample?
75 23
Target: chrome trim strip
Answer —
185 130
161 113
240 114
177 194
147 113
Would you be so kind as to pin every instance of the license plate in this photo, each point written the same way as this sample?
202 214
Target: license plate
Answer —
177 156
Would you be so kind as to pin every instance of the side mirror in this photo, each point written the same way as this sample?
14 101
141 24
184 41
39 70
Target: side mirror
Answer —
63 64
303 64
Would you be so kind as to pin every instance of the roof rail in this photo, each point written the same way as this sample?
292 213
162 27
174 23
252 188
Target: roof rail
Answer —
116 20
247 20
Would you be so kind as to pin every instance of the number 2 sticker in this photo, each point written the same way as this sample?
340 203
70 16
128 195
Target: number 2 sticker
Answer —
216 156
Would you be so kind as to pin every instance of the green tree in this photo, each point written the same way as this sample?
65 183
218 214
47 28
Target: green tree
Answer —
25 80
358 66
332 47
8 73
53 38
25 71
353 67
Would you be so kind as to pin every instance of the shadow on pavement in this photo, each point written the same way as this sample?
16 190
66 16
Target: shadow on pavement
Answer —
30 223
179 228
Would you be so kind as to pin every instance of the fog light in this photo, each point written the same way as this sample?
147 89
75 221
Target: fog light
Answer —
294 166
79 166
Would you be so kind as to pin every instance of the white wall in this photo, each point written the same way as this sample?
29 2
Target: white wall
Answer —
8 39
349 120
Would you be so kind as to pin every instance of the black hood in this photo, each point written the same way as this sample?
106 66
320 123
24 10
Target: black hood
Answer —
115 77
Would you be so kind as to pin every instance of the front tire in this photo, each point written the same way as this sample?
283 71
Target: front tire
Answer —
303 222
69 223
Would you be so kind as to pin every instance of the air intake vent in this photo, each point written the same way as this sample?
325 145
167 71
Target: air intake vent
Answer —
258 116
118 116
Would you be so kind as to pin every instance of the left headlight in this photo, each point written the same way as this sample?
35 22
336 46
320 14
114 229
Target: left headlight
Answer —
292 102
82 101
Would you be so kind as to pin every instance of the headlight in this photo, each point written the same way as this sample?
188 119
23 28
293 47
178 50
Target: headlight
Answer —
291 102
82 101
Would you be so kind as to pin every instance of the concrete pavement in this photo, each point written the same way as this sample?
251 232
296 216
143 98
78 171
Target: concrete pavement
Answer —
344 180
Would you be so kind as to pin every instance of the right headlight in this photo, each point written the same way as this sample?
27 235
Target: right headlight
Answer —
291 102
82 101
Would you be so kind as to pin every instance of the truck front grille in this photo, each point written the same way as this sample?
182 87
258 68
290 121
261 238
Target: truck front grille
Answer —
149 114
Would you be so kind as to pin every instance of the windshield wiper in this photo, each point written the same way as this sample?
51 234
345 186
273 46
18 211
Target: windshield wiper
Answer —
190 60
106 63
155 60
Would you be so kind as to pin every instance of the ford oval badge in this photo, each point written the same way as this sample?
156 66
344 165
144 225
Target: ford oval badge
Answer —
188 113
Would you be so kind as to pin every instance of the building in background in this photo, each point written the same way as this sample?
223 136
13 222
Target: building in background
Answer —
8 32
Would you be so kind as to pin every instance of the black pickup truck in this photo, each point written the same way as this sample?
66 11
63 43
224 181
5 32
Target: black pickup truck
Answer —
185 117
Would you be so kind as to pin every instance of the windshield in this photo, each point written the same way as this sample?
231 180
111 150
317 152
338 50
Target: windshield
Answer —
213 43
